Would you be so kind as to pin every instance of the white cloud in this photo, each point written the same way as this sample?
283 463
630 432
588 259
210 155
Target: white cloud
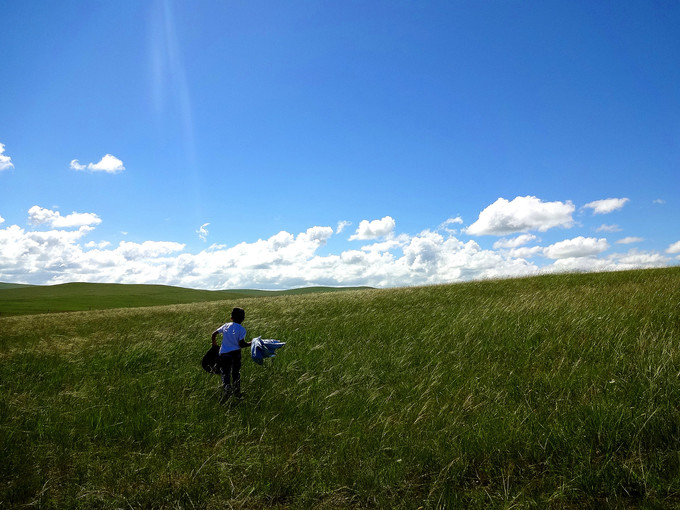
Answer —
576 248
633 259
389 244
2 220
5 161
446 226
659 201
579 264
109 164
283 260
608 228
147 249
342 225
520 215
203 232
514 242
77 166
636 259
101 245
453 221
615 262
317 234
287 260
39 216
607 205
374 229
630 240
34 257
526 253
674 248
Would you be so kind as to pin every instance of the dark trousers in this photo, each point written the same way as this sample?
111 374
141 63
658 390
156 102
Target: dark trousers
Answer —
230 368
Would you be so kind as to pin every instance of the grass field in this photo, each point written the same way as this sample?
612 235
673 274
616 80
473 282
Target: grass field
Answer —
558 391
69 297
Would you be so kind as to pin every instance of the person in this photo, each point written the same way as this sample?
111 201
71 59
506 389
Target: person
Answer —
233 340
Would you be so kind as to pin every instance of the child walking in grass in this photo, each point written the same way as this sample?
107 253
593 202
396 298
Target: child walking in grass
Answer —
233 340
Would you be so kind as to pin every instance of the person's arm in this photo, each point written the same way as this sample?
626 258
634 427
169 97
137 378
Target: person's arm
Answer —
242 343
214 336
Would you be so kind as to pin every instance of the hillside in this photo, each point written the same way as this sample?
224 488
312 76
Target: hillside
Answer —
4 286
18 299
557 392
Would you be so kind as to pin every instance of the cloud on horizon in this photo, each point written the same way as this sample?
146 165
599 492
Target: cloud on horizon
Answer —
285 260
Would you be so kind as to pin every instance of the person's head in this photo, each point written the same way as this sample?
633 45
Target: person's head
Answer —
237 315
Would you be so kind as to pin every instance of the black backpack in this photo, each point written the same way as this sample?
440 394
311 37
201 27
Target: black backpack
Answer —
210 362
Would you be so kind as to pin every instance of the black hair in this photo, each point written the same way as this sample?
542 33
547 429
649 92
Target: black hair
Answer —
237 315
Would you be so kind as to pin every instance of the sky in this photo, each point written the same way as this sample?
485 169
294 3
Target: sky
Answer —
274 145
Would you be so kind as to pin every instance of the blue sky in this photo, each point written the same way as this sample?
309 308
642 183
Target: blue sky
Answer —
283 144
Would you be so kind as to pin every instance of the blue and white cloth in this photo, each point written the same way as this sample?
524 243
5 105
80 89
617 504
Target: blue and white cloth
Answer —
261 349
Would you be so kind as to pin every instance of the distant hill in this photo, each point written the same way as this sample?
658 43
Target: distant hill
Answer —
17 299
4 286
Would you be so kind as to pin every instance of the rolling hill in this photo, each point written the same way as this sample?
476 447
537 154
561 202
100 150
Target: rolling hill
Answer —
16 299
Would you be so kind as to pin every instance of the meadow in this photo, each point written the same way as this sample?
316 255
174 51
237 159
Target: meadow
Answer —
16 299
558 391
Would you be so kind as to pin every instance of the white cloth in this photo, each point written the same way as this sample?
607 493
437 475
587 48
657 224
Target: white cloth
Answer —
261 349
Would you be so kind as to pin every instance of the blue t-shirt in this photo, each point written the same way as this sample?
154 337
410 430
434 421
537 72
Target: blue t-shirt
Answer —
232 332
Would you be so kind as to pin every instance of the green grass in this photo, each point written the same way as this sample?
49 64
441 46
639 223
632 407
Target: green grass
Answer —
558 391
34 299
4 286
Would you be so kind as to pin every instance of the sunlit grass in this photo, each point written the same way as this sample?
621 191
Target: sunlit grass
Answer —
557 391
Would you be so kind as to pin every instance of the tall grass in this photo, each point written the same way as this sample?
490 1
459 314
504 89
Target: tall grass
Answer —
551 392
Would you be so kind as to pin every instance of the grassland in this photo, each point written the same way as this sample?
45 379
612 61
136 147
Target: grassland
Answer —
70 297
559 391
4 286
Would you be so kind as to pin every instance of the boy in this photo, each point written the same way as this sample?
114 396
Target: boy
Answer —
233 339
